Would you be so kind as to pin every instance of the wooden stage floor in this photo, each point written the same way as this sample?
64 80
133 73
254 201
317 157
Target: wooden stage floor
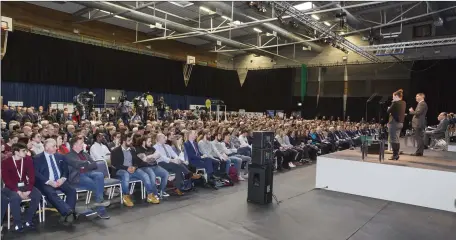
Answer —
432 159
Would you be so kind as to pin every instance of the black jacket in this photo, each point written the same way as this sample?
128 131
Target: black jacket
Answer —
397 111
117 159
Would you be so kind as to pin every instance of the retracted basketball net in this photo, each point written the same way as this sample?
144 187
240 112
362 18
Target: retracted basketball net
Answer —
188 68
7 26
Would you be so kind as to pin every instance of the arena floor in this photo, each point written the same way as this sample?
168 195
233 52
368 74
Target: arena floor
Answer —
303 213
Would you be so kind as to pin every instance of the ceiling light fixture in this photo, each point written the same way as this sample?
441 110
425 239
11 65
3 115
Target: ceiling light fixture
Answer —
182 4
116 16
304 6
327 23
257 30
205 9
315 17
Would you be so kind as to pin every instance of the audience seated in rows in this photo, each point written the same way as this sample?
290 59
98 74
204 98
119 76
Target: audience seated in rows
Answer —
65 151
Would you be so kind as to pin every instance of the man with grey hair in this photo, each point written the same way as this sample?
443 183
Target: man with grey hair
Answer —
51 173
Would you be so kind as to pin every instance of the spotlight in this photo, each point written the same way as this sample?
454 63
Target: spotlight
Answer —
293 24
261 8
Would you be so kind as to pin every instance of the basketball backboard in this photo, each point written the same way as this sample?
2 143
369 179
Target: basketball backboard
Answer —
7 24
191 60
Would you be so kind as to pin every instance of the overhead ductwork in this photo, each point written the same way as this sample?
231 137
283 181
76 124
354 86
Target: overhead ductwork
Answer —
241 15
432 6
150 19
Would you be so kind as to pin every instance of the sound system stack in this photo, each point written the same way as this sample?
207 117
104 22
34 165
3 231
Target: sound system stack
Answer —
261 169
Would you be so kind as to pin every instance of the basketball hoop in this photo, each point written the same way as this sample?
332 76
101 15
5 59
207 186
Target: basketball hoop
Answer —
188 68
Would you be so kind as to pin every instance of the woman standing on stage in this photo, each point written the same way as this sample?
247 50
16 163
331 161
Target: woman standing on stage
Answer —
396 119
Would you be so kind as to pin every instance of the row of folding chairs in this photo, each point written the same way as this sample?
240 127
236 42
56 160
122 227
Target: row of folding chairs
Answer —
109 183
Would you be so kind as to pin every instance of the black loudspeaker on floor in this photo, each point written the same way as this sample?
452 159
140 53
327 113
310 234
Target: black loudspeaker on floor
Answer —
260 184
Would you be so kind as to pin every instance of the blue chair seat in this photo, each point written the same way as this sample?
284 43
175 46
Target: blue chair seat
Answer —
111 181
79 189
134 179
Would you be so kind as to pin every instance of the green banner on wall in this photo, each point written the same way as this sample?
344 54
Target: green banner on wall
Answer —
303 81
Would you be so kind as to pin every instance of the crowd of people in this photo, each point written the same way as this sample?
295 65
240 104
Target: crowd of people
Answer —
44 153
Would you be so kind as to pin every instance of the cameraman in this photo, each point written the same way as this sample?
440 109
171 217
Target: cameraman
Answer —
123 109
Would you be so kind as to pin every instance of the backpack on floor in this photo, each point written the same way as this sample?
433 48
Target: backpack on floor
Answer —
188 185
233 174
223 182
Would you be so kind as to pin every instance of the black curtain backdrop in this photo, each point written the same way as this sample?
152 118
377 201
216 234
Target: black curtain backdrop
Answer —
269 89
333 106
33 58
434 78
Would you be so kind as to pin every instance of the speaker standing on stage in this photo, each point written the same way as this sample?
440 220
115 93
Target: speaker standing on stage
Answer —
419 123
396 119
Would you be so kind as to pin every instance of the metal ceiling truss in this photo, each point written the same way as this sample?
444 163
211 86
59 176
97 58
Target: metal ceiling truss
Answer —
320 27
412 44
173 26
397 22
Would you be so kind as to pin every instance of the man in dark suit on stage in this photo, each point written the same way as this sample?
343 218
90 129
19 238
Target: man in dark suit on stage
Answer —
419 123
51 173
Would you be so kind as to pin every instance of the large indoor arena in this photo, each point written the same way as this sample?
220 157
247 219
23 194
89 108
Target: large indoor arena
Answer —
318 120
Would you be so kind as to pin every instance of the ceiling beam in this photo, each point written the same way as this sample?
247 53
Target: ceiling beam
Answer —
81 11
376 9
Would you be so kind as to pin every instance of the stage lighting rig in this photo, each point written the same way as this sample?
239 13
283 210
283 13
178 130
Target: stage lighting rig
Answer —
287 8
342 16
261 7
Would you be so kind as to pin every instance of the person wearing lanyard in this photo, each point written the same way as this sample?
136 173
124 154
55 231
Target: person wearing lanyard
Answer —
18 175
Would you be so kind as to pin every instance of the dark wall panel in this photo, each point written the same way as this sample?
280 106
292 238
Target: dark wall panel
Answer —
334 88
267 89
435 79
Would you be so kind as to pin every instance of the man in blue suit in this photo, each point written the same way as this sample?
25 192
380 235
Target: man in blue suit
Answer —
198 160
51 173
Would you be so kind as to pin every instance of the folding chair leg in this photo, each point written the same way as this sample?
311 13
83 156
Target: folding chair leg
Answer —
132 188
44 209
40 209
9 216
88 198
121 194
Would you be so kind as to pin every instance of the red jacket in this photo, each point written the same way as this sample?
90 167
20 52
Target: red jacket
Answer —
63 149
10 176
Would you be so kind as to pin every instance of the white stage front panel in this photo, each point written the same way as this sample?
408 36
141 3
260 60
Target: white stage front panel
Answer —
415 186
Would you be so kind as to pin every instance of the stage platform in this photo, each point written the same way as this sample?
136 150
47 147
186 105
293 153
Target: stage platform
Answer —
427 181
